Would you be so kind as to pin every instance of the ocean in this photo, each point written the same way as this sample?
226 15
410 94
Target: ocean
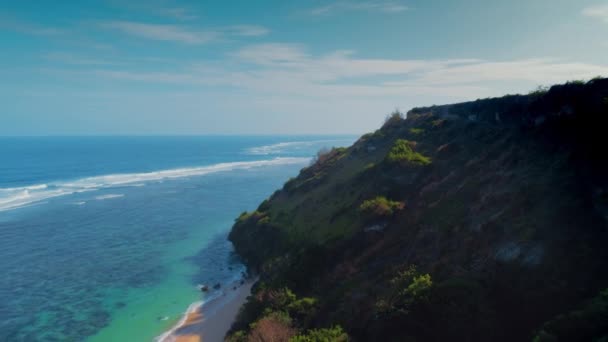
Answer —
108 238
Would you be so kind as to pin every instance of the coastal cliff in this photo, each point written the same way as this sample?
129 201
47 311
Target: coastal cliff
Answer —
479 221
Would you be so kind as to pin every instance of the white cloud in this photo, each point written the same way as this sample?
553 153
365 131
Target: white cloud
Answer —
182 34
369 6
159 8
161 32
29 28
288 70
247 30
293 90
68 58
273 54
600 11
178 13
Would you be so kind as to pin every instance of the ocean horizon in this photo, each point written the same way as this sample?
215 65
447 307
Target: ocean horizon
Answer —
108 237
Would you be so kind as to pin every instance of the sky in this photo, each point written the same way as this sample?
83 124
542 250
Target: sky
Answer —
172 67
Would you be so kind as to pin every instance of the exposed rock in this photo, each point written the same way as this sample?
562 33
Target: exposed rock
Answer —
375 228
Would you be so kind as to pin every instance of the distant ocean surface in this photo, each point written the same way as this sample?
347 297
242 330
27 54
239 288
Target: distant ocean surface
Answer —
106 238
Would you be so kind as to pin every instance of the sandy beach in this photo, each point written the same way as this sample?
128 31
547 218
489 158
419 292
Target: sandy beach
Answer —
210 322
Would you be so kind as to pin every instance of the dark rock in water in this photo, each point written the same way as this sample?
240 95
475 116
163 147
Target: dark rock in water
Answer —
234 288
230 268
217 286
120 304
204 288
242 281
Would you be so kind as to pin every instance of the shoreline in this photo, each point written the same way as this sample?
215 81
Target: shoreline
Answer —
210 321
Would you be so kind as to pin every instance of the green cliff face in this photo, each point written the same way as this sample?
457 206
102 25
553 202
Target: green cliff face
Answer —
486 220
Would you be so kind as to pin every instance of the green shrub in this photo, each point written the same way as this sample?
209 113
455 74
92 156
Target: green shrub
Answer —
264 220
380 207
281 299
416 131
303 307
279 316
577 82
335 334
244 215
539 91
257 217
393 118
402 151
407 288
238 336
325 154
438 122
247 215
420 285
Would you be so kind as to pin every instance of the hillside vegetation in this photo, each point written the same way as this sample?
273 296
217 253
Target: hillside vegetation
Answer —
480 221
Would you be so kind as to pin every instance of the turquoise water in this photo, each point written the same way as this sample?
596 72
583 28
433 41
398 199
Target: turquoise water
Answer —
106 239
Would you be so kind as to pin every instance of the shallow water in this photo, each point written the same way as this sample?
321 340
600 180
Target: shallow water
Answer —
107 246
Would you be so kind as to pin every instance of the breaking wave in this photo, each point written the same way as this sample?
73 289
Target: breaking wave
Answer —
292 146
13 198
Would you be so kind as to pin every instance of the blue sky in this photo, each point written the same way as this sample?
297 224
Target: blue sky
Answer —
277 67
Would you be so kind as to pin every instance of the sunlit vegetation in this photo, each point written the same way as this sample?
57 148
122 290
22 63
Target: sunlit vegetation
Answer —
416 131
380 207
278 315
405 289
402 151
335 334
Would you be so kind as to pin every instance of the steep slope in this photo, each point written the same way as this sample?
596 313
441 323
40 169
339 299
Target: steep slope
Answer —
476 221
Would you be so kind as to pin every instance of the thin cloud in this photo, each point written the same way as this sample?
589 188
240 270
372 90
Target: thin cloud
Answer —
600 12
157 8
288 70
247 30
273 54
172 33
71 59
178 13
368 6
29 28
182 34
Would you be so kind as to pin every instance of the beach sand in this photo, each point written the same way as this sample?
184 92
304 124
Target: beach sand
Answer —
211 321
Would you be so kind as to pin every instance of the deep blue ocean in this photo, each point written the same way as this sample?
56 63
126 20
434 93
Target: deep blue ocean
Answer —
107 238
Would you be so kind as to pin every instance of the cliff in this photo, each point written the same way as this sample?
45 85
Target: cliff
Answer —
485 220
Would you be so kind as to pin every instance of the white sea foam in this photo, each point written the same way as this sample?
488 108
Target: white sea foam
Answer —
283 147
12 198
168 336
109 196
224 295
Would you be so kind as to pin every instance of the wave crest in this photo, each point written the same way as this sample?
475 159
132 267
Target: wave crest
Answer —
291 146
13 198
